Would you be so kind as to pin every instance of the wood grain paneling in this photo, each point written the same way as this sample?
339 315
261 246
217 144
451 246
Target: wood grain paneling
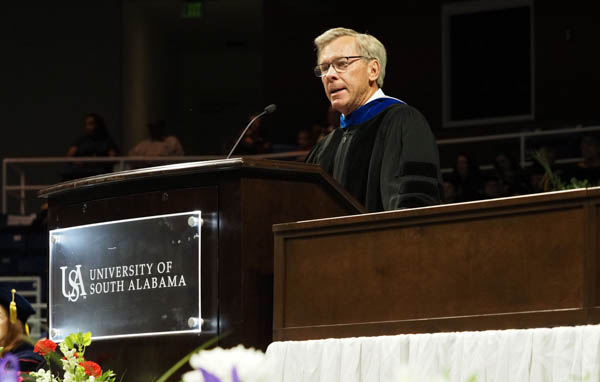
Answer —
240 200
514 262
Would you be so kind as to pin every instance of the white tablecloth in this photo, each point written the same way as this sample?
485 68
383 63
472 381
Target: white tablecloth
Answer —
557 354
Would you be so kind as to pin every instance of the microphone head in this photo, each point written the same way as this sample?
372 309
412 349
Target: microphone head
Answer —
271 108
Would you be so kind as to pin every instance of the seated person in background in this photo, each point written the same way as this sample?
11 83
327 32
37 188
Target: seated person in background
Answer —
449 192
40 223
466 178
253 142
13 333
589 167
96 142
590 152
333 122
159 144
536 175
491 187
383 153
510 176
304 141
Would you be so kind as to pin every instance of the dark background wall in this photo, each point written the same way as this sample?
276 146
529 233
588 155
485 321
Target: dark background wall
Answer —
566 62
136 61
59 61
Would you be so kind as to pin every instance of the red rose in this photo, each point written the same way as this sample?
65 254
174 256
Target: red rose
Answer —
92 368
44 347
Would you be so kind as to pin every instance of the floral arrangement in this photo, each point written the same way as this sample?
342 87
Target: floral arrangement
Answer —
75 367
238 364
9 368
241 364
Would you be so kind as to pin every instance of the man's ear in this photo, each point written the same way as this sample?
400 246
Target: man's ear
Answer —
374 69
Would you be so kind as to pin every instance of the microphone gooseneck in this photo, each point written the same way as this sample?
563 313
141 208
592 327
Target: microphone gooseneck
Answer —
268 110
271 108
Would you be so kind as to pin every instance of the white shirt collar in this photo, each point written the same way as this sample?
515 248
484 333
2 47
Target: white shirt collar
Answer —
377 94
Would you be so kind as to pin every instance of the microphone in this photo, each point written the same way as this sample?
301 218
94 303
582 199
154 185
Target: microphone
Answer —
268 110
271 108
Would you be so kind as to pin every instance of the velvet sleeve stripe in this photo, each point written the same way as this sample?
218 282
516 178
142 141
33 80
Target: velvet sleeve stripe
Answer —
28 360
420 187
420 169
28 364
412 202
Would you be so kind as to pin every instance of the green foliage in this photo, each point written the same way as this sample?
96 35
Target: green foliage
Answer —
552 181
82 340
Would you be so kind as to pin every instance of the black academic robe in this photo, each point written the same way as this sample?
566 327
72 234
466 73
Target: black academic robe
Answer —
388 162
28 360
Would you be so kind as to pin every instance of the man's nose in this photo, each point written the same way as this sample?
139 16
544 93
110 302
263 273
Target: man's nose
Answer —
331 72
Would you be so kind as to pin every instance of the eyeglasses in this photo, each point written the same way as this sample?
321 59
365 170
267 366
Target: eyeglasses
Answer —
339 64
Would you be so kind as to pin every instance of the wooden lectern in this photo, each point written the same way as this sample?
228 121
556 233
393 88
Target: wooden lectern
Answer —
521 262
240 200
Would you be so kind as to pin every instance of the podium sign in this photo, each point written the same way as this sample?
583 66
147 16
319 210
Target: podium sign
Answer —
130 277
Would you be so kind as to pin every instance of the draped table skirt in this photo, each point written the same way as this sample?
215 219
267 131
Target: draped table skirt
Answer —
544 354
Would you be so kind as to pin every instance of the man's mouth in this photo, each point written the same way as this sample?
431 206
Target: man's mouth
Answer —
336 91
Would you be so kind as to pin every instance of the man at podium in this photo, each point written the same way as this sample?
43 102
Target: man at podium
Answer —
384 152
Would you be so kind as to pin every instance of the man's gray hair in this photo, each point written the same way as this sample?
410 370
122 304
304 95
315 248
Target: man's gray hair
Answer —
368 46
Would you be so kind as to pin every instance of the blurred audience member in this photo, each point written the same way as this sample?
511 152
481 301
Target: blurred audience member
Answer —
536 178
589 167
159 144
511 179
317 131
40 223
449 192
304 141
492 188
253 142
590 152
333 120
466 178
95 142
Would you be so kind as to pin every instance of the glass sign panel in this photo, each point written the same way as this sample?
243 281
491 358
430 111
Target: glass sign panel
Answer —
126 278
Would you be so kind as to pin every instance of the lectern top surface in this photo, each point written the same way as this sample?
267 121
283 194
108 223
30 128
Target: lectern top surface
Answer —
179 169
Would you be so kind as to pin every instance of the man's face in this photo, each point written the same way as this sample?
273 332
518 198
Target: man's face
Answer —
349 90
3 324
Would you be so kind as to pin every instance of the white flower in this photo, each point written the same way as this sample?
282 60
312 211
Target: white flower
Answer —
42 376
68 377
193 376
71 362
251 364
